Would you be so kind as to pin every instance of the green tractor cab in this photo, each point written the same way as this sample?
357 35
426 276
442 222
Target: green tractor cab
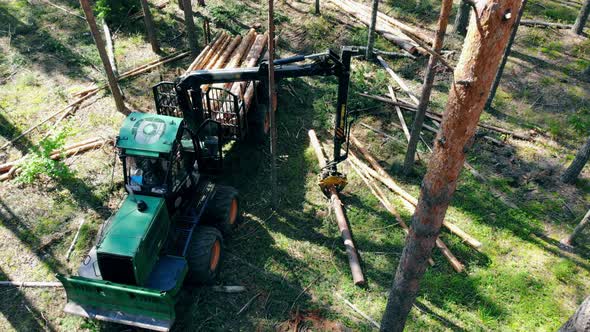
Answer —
167 232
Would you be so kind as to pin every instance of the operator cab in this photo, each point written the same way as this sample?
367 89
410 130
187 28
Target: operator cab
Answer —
162 157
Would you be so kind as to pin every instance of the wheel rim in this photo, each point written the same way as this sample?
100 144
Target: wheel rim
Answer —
233 211
215 255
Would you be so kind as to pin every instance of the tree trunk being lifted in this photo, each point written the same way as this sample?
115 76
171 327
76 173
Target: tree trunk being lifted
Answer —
486 39
353 259
427 87
112 80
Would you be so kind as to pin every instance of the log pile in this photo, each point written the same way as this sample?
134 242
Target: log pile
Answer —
225 51
409 38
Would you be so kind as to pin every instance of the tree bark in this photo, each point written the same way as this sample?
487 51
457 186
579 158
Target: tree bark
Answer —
189 25
443 19
317 7
272 104
583 224
505 57
149 26
371 37
462 18
112 80
573 171
580 320
487 36
578 27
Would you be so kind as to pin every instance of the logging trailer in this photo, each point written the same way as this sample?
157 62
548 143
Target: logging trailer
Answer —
169 230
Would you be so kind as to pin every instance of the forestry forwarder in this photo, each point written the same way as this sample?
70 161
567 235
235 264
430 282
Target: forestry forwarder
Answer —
169 230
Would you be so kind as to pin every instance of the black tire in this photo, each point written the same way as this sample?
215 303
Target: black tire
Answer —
204 255
223 210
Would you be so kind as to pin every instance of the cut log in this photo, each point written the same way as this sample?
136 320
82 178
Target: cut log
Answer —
380 195
221 61
362 14
542 24
353 259
226 41
379 173
356 165
438 117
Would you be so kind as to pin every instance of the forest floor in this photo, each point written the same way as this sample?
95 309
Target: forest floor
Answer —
294 257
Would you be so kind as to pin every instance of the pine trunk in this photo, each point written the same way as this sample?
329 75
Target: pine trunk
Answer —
571 173
484 45
583 224
427 87
112 80
149 26
317 7
578 27
462 18
580 320
505 57
371 37
189 26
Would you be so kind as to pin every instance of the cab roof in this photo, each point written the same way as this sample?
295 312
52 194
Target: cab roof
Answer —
152 133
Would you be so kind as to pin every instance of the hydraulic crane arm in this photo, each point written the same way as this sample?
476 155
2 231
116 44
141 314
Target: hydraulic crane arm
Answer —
190 99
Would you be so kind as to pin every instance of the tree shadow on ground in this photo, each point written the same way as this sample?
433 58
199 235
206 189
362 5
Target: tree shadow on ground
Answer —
33 42
10 131
20 313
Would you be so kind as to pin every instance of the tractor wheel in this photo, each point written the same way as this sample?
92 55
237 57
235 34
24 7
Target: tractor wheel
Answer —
204 255
223 210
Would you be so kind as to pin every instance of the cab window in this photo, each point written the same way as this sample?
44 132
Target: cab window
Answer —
146 174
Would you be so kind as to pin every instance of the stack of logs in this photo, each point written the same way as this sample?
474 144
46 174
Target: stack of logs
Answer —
407 37
226 51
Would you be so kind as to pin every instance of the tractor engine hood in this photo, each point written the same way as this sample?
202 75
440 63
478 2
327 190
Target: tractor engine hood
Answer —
129 248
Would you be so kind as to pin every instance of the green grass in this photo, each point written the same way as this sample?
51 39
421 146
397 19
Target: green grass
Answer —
294 257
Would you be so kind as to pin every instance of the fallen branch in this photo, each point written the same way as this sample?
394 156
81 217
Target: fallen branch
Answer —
380 195
65 152
379 173
248 303
438 117
359 311
455 263
71 248
398 79
30 284
541 24
353 259
65 109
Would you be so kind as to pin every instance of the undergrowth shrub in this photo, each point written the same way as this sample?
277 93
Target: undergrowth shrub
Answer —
116 10
39 162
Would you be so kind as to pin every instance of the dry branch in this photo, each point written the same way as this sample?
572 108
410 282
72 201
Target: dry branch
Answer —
438 117
379 194
71 248
379 173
